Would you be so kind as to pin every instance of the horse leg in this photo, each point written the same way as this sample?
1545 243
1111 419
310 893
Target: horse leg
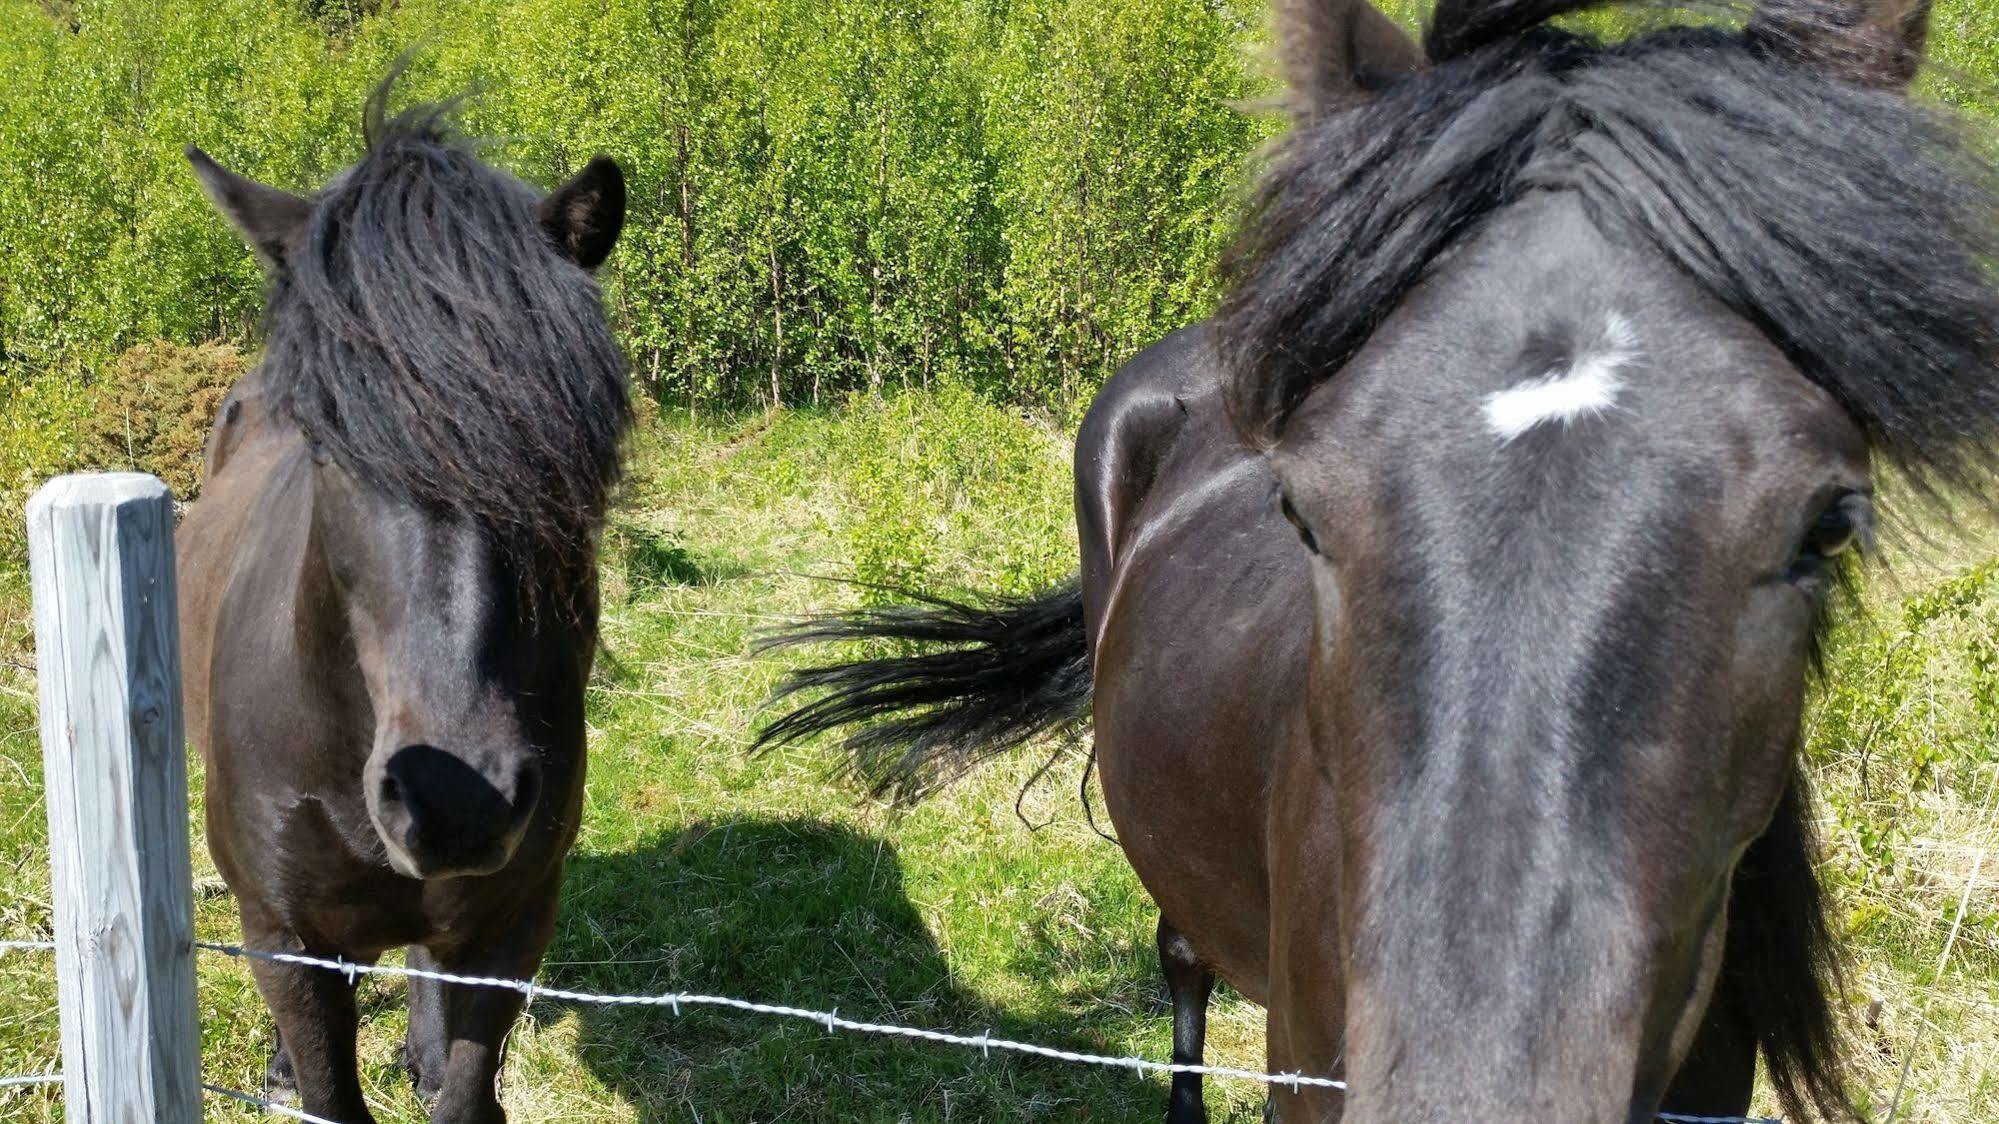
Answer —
1719 1072
316 1017
280 1081
1189 982
427 1048
476 1020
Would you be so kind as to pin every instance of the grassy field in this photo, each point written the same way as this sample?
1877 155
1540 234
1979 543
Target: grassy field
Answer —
704 869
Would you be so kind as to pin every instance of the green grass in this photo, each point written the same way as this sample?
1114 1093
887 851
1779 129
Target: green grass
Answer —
701 868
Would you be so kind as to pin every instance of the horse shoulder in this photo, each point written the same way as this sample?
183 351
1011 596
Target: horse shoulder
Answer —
249 477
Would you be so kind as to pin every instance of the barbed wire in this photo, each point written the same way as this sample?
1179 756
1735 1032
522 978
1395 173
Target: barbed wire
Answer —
264 1103
267 1104
530 990
30 1079
831 1020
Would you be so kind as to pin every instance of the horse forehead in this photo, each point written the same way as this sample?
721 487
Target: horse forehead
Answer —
1547 360
439 565
1591 385
1578 382
1587 440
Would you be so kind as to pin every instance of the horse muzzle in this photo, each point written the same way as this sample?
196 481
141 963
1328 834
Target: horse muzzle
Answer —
445 815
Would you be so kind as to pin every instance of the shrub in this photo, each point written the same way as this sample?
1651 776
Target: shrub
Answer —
39 415
921 477
827 195
1909 700
152 408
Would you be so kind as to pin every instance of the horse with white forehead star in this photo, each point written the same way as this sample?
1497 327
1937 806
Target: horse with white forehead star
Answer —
1448 601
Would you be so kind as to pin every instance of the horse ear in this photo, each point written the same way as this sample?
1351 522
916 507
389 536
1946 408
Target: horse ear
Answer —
1336 51
1876 43
585 215
266 217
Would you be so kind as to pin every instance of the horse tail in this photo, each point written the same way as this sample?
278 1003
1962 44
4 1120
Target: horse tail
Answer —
1783 963
983 678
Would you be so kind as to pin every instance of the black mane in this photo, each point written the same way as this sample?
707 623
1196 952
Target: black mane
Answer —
430 338
1856 228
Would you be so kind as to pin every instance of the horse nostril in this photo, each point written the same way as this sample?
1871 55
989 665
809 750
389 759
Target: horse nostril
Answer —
412 780
527 785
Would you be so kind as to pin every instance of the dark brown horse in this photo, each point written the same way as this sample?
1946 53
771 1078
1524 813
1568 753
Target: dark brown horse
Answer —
389 590
1448 601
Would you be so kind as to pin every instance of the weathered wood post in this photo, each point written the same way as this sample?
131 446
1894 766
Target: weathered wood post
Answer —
107 654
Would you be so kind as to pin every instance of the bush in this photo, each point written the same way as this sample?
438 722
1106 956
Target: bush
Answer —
38 423
827 195
920 477
152 408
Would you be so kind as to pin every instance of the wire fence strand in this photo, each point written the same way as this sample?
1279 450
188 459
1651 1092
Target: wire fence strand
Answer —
831 1020
30 1079
266 1104
530 990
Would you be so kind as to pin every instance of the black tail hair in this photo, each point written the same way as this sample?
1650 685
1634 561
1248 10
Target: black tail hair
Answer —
1008 669
1783 965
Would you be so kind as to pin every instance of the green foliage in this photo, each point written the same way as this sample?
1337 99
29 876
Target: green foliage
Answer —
826 196
339 14
941 491
1964 54
1115 133
152 409
1903 742
39 417
910 468
104 239
1910 707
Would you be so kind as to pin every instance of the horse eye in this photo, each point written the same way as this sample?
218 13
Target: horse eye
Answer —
1844 522
1291 516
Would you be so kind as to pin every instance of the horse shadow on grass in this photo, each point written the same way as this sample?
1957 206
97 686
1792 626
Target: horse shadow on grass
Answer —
813 915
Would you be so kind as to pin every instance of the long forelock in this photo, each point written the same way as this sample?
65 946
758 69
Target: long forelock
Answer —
1857 229
431 340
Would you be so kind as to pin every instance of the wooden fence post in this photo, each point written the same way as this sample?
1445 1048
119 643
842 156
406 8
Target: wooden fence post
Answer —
107 654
